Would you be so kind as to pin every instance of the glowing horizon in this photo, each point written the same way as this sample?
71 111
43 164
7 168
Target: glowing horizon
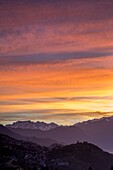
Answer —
56 61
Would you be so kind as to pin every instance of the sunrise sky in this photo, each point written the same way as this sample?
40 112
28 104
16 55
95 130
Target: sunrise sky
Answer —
56 60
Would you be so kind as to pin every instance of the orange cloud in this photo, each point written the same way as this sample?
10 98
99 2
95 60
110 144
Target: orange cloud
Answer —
59 57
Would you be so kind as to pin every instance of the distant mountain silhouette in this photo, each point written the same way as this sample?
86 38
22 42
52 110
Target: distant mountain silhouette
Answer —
6 131
99 131
40 141
62 133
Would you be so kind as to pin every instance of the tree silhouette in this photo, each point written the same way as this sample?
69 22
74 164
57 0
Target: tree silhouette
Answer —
45 168
111 167
90 168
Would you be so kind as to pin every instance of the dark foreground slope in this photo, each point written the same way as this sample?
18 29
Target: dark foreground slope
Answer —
80 156
16 154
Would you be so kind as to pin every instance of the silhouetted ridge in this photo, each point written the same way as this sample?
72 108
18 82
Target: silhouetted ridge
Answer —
41 141
28 156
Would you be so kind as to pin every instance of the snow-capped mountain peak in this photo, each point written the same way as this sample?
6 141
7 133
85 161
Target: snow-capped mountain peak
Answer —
95 121
33 125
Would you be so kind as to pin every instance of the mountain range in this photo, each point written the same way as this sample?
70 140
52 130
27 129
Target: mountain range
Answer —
33 125
96 131
99 131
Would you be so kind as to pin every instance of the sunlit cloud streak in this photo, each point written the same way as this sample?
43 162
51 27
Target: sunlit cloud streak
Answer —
56 60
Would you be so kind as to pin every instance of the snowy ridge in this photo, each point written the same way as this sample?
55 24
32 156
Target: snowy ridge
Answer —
33 125
103 119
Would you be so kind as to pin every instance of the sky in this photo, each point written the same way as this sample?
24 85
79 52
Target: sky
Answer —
56 60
